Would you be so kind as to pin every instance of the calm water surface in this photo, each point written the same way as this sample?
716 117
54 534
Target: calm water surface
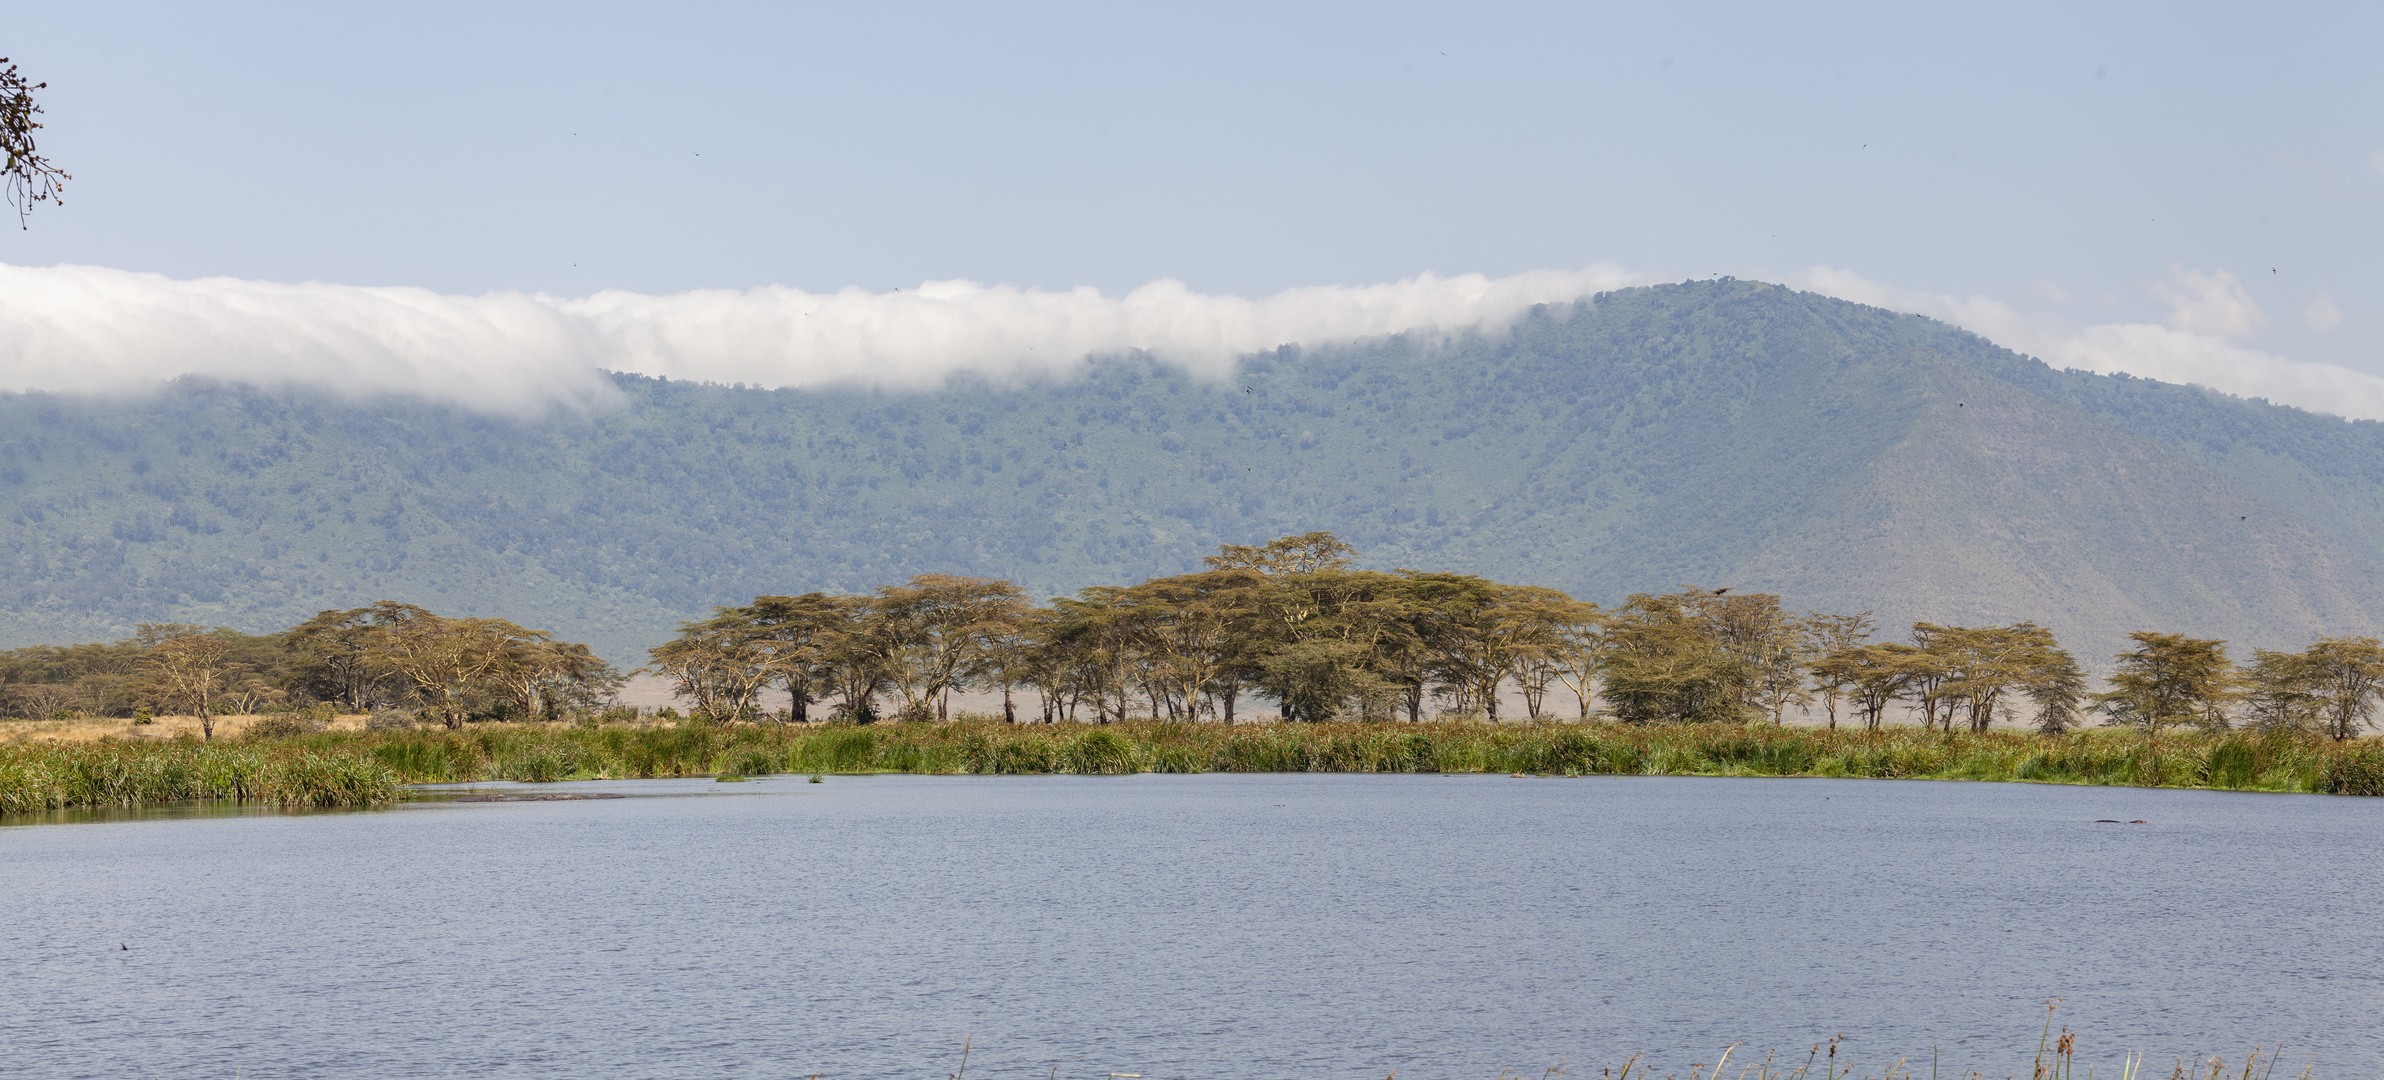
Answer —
1194 926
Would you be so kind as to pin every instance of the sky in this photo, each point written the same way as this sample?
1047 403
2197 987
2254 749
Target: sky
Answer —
2186 191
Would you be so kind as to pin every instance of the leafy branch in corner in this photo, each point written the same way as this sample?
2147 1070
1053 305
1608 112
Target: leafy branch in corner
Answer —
32 178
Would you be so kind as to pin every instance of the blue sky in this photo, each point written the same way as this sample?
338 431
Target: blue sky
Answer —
2077 164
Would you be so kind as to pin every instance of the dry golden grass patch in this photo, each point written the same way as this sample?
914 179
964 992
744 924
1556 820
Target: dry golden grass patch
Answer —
94 729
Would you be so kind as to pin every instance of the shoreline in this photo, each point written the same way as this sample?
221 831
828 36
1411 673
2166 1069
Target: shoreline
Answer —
345 765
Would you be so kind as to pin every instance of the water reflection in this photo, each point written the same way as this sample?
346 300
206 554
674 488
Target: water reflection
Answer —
416 796
184 810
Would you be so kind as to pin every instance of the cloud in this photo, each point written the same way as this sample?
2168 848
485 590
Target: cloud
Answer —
92 329
777 336
2321 314
2168 353
89 329
2375 160
2212 303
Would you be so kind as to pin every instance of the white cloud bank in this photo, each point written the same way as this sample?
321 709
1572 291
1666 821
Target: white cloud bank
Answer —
91 329
82 329
2207 312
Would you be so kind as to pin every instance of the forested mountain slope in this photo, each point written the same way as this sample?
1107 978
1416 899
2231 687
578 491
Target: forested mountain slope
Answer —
1713 433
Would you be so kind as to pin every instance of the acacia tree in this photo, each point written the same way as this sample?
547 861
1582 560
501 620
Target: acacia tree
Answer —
1307 553
1873 676
451 665
935 629
791 633
1685 657
44 701
2347 677
1486 633
1191 628
331 654
718 665
1094 643
1320 634
852 655
1983 664
1577 635
542 676
2280 692
2055 686
1763 640
2167 680
192 665
1780 668
1829 635
1930 670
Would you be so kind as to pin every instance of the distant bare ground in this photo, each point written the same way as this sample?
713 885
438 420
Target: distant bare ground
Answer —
93 729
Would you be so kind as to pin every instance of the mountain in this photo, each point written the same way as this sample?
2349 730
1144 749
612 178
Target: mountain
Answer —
1718 433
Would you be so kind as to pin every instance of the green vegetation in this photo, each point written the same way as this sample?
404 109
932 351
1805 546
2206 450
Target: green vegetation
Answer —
53 776
359 768
1726 432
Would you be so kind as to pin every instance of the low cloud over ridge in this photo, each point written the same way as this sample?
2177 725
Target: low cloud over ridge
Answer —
2197 347
84 329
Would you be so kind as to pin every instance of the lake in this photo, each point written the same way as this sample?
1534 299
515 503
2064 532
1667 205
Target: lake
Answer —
1215 926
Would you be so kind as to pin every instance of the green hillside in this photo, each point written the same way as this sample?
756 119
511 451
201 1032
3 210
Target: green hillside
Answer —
1716 433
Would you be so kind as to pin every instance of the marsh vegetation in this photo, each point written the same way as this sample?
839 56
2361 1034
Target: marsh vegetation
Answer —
362 767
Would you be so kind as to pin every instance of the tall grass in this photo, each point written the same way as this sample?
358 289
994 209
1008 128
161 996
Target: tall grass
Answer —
341 768
57 776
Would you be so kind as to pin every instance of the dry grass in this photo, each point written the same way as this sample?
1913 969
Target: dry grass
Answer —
168 728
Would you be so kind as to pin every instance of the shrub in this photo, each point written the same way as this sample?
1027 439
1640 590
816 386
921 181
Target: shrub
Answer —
389 720
1102 751
2358 772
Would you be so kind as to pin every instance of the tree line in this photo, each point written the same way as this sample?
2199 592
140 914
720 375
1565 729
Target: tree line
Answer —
1291 622
387 655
